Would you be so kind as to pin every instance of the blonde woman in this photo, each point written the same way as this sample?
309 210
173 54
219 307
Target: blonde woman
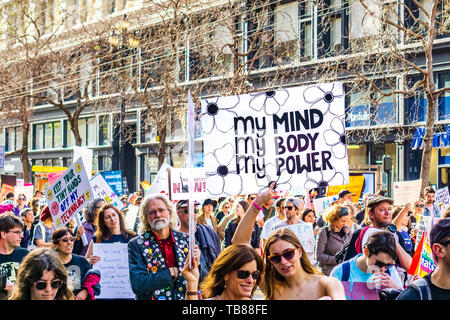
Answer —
288 272
332 237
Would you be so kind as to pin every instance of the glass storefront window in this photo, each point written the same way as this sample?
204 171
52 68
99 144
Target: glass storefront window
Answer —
105 130
82 130
39 137
444 100
70 139
57 134
48 128
91 132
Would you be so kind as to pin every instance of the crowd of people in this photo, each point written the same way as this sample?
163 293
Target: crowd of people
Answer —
243 245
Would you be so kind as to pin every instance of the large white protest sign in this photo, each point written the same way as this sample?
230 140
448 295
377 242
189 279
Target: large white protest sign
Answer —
161 182
69 194
423 223
442 196
130 216
179 183
406 191
321 204
28 191
114 269
101 189
294 136
86 155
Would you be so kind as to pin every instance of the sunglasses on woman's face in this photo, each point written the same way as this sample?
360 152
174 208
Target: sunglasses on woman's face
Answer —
420 205
288 254
41 285
244 274
380 264
22 199
71 239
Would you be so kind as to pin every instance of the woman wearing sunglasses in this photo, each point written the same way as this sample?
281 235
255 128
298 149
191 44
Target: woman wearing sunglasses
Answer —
234 274
41 276
82 280
288 272
21 204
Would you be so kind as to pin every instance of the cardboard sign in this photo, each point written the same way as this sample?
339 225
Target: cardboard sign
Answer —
442 196
114 268
69 194
406 191
294 136
6 188
355 186
161 182
114 179
321 204
179 183
101 189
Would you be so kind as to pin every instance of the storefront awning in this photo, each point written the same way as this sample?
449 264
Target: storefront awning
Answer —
47 169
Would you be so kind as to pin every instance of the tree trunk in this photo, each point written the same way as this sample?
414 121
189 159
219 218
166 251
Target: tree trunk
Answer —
162 151
24 151
428 143
76 132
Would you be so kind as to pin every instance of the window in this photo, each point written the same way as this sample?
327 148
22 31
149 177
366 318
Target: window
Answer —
178 129
104 130
444 100
47 135
363 26
286 32
306 35
223 55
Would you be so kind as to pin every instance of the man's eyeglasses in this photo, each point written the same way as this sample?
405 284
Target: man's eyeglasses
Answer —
153 212
289 208
288 254
41 285
244 274
71 239
380 264
17 232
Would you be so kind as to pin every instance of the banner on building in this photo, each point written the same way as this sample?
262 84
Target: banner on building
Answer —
114 179
69 194
161 182
355 186
101 189
406 191
179 183
294 136
114 270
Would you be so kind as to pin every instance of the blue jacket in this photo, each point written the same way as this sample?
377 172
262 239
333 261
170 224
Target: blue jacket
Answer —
427 212
208 242
149 277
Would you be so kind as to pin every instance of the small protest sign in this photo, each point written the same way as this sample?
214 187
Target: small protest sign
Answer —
114 179
101 189
86 155
442 196
294 136
355 186
114 268
179 183
321 204
27 190
130 217
69 194
406 191
161 182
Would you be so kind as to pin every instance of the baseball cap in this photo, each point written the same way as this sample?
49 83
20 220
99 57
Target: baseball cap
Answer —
295 202
343 193
182 203
373 201
440 230
209 201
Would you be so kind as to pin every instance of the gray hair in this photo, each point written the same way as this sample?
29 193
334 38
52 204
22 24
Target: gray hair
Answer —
90 213
143 212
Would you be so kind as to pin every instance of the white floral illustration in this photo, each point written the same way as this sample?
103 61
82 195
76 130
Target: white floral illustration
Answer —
270 101
336 139
215 116
321 97
282 180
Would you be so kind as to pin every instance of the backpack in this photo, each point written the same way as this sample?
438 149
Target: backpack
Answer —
422 288
32 245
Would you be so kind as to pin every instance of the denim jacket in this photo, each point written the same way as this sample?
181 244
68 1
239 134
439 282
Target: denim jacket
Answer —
427 212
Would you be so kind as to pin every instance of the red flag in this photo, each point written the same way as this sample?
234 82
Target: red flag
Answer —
415 264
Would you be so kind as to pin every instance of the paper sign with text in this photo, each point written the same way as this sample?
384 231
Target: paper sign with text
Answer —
86 155
28 191
101 189
294 136
179 183
406 191
114 269
321 204
161 182
69 194
355 186
442 196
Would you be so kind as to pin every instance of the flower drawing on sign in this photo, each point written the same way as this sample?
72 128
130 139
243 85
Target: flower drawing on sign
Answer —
223 180
282 180
322 98
270 101
322 179
215 115
336 139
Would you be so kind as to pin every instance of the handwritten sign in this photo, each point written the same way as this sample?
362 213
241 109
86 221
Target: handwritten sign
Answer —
406 191
69 194
101 189
305 234
115 271
294 136
179 183
442 196
321 204
27 190
355 186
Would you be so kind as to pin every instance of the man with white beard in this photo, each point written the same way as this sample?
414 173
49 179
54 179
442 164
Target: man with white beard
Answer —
157 256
